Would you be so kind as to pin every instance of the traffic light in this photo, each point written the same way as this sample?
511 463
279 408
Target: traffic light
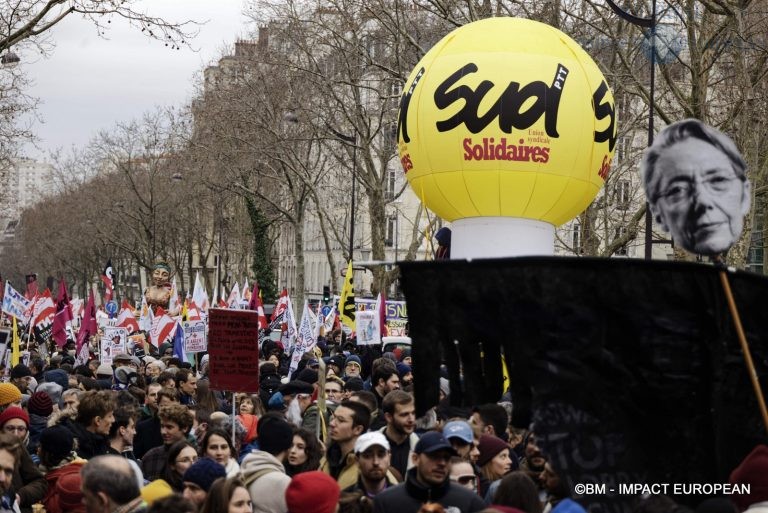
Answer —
326 294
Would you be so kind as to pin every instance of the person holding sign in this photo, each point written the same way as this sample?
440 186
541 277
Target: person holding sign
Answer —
697 187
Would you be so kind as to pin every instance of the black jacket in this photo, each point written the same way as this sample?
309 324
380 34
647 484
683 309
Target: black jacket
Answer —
409 496
89 444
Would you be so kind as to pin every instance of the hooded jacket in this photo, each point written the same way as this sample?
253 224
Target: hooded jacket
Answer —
411 495
266 481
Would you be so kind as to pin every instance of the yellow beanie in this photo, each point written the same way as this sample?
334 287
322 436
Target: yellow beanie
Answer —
155 491
9 393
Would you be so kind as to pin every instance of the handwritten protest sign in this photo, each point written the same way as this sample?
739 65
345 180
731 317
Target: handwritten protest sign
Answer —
233 346
194 336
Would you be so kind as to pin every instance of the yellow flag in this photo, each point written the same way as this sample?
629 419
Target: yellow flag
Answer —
347 300
185 310
15 353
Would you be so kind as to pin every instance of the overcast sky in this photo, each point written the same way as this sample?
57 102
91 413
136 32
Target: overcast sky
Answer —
89 83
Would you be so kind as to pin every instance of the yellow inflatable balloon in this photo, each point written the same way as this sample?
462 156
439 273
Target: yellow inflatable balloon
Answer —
506 117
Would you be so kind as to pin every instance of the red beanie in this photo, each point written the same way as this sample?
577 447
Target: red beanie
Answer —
14 412
68 489
753 471
312 492
489 446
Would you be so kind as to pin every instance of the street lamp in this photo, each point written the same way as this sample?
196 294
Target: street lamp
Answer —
352 139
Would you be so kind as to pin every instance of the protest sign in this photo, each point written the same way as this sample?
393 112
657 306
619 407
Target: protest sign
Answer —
15 304
367 327
113 342
194 336
233 346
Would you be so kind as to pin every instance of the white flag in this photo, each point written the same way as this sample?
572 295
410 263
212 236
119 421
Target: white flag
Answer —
200 295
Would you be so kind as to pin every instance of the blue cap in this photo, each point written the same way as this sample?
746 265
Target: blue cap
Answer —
459 429
432 442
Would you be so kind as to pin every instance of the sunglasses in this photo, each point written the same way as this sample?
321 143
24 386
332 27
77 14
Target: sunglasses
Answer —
464 480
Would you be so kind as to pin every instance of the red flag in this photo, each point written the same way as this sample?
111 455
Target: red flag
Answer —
89 327
193 312
162 327
32 289
256 304
45 310
107 278
63 317
127 318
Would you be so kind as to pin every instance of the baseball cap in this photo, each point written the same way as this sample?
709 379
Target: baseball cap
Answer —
459 429
433 442
367 440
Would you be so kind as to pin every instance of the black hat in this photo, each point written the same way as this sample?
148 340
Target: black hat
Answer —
296 387
275 436
57 441
433 442
354 384
20 371
307 375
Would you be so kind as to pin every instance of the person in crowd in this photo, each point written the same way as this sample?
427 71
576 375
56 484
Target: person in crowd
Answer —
352 385
428 481
218 446
228 495
95 415
28 481
517 490
57 459
109 485
350 420
10 395
181 456
556 489
533 459
697 187
148 433
149 409
10 456
491 419
122 433
399 411
353 367
70 398
186 382
372 451
459 434
494 461
312 492
463 473
40 408
207 398
384 379
21 376
198 479
405 373
36 368
175 423
263 470
297 395
305 453
334 389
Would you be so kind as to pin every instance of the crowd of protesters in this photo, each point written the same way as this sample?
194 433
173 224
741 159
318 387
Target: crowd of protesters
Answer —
149 433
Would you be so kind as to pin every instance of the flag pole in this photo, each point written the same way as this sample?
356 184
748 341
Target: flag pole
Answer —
722 270
234 419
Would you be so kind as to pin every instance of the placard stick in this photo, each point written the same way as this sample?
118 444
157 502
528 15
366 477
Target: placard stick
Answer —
742 339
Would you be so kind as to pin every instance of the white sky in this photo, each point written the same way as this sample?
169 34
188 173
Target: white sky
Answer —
89 83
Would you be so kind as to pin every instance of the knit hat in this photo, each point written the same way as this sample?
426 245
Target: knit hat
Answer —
296 387
58 376
156 490
752 471
312 492
40 404
9 393
275 436
353 358
14 412
204 472
405 354
403 369
20 371
68 489
489 446
57 441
